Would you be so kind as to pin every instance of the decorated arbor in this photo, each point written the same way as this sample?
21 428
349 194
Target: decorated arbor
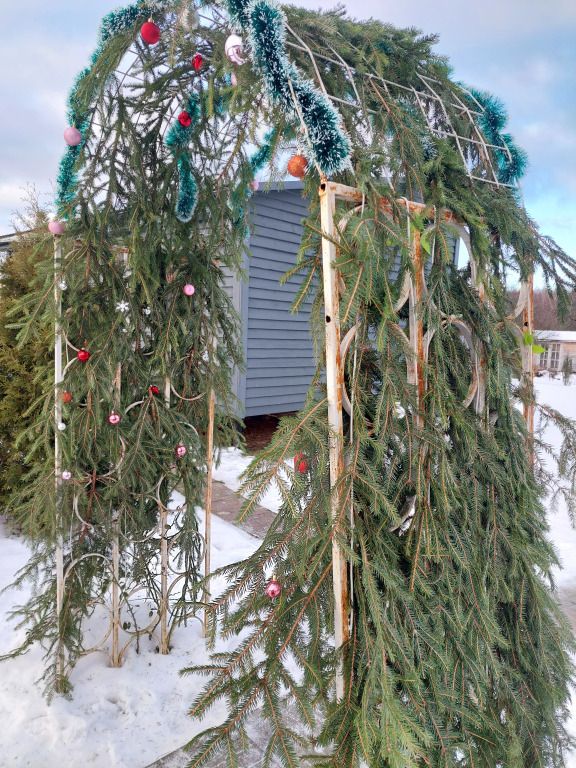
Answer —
402 597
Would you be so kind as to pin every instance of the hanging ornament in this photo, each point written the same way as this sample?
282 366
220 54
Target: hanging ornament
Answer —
146 310
63 285
56 227
197 61
253 185
273 587
114 418
66 397
154 389
189 289
66 475
122 306
184 119
297 166
72 136
150 32
300 464
83 355
233 79
61 426
180 450
234 50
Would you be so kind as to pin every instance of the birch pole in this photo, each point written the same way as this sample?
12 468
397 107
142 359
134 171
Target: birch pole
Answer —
57 445
334 384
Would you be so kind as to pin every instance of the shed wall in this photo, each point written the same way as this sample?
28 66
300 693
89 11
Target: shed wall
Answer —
279 351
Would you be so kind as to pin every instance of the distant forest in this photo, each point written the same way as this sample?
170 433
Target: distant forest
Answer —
545 315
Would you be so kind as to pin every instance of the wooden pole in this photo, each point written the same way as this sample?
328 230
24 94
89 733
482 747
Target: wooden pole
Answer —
57 446
528 326
334 383
208 504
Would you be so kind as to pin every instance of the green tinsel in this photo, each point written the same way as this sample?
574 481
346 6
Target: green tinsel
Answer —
178 138
512 161
265 23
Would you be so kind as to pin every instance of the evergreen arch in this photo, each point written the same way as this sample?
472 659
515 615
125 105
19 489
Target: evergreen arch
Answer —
458 653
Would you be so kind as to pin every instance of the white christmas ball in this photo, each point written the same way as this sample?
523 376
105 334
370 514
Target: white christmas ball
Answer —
61 426
234 50
66 475
63 285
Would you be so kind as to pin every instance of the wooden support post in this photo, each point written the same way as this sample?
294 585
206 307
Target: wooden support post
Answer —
528 326
334 383
164 580
59 554
208 504
416 366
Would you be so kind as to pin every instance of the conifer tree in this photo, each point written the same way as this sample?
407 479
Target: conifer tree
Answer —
458 653
23 370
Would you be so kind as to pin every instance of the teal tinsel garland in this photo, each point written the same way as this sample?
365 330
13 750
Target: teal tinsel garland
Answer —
178 138
265 23
511 167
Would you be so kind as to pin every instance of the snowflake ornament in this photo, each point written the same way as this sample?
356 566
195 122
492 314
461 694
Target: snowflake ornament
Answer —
122 306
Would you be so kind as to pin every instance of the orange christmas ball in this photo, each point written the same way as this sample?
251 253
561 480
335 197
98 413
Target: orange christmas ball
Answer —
297 166
66 397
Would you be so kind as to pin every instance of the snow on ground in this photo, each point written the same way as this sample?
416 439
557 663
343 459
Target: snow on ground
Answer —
552 392
120 718
129 717
232 463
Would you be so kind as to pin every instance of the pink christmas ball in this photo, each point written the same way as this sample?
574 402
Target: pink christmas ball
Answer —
72 136
189 289
114 418
66 475
180 451
253 185
56 227
273 589
233 79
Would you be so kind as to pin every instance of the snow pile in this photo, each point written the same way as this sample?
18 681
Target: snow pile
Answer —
125 718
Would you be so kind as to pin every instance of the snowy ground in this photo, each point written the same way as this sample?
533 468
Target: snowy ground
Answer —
129 717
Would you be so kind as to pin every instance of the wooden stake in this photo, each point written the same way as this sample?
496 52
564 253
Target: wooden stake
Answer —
334 383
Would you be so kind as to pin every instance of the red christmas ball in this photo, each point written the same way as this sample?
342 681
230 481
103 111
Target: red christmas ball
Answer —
180 450
66 397
83 355
300 464
184 119
150 33
297 166
154 389
273 588
197 61
114 418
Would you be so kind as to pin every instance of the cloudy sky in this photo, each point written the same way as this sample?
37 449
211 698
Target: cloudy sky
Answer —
522 50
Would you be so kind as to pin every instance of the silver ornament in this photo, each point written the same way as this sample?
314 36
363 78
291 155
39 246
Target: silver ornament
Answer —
61 426
234 50
66 475
63 285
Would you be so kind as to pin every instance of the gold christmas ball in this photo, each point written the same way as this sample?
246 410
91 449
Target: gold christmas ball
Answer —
297 166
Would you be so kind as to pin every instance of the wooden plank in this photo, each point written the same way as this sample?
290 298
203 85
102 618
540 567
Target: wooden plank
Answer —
334 384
